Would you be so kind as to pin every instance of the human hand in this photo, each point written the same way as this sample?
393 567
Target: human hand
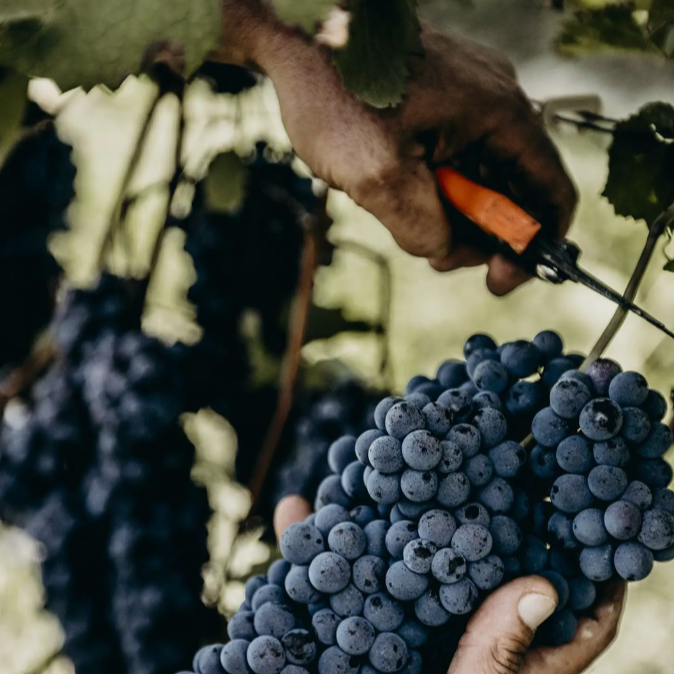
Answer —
462 100
498 637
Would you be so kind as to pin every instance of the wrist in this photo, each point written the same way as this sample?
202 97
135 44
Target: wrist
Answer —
249 30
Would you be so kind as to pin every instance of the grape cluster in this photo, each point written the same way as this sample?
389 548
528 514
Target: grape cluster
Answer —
36 187
440 501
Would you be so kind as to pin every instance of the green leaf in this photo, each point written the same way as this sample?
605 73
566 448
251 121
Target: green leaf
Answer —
382 35
307 14
225 186
83 42
14 96
641 163
607 29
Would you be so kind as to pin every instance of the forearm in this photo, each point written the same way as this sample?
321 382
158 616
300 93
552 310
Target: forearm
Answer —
250 34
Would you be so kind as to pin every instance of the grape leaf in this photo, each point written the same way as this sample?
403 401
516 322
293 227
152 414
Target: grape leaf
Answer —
14 96
382 35
307 14
83 43
225 183
641 163
606 29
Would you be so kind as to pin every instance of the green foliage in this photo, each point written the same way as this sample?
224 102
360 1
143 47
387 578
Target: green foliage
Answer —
307 14
83 43
641 163
226 183
14 95
607 29
382 35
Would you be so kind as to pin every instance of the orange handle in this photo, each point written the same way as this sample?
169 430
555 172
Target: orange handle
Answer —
491 211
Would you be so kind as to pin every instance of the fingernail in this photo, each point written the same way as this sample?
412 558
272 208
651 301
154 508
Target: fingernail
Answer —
535 609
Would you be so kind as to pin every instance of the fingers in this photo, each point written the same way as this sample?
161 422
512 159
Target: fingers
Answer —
405 199
593 636
504 276
498 636
521 149
290 509
461 255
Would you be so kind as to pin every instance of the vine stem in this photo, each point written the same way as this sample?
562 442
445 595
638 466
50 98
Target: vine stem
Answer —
656 230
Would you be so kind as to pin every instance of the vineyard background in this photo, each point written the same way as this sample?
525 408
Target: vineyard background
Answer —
431 314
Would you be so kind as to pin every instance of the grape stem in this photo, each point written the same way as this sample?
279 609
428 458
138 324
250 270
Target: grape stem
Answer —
655 231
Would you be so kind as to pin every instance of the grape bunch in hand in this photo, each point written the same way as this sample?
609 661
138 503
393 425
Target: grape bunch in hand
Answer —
447 537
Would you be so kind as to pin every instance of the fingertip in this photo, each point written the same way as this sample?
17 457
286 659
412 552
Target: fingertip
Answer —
289 510
504 276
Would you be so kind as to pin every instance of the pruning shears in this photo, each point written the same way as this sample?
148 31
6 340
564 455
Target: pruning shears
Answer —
519 236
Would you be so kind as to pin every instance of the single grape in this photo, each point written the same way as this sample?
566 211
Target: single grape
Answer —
329 572
362 515
398 536
404 584
633 561
335 661
659 440
574 455
451 374
655 405
453 490
403 418
467 437
330 491
240 626
589 527
384 489
299 587
355 636
383 409
601 419
521 358
325 623
548 428
369 573
613 452
555 369
418 398
506 535
479 470
657 530
418 555
341 453
429 609
353 480
488 573
568 397
497 496
268 593
491 375
492 426
347 602
459 598
459 402
558 629
622 520
277 571
597 563
266 655
273 619
413 633
543 462
639 494
330 516
561 587
663 499
549 344
636 425
628 389
452 457
375 533
472 541
582 593
384 612
437 527
524 398
656 473
571 494
348 540
300 647
602 372
388 653
607 483
484 399
478 341
507 458
448 566
417 486
438 419
233 657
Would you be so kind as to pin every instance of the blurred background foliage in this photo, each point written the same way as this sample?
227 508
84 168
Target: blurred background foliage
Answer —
431 314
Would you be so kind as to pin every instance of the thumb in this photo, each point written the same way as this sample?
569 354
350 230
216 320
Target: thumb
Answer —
290 509
499 635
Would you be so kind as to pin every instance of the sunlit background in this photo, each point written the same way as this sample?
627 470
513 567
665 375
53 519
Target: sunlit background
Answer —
432 314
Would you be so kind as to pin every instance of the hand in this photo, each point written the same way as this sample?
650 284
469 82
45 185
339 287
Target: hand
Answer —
462 99
498 637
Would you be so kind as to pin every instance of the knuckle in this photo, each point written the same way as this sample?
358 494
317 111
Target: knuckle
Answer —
506 655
